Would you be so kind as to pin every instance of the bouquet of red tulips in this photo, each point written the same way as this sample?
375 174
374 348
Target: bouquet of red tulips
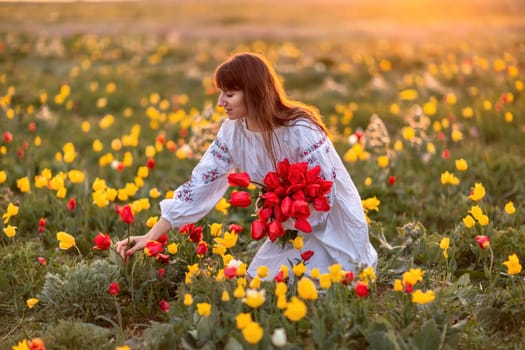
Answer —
286 193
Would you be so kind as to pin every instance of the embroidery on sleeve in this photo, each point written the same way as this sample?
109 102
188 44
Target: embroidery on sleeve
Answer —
220 151
184 192
210 175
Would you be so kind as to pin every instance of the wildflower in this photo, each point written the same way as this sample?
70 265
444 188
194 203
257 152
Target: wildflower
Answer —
229 240
114 288
299 269
31 302
173 248
295 309
102 241
164 305
254 298
449 178
243 319
41 260
513 265
188 299
279 337
413 276
36 344
444 244
10 231
461 164
71 204
126 214
307 255
509 208
66 240
215 229
201 249
75 176
361 289
408 95
368 274
12 210
23 184
382 161
483 242
391 180
408 133
468 221
204 309
306 289
262 271
253 332
298 242
418 297
477 193
348 278
371 203
153 248
398 285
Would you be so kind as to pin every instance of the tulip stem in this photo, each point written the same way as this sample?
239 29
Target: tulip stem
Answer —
78 250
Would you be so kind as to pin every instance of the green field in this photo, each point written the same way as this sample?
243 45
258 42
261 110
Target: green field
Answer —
95 92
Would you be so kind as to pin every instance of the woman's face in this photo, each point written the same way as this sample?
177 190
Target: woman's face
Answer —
233 103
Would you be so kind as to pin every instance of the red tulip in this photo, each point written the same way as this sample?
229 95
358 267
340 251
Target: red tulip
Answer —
286 206
349 278
303 225
271 181
279 277
126 214
161 272
163 239
300 209
361 289
164 305
259 229
201 249
271 199
8 137
114 288
306 255
196 235
235 228
312 175
153 248
391 180
41 260
31 127
239 179
282 168
321 204
240 199
230 272
408 287
275 230
102 241
163 258
71 204
150 163
483 241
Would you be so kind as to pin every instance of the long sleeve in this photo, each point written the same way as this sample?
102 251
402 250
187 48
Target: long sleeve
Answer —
208 183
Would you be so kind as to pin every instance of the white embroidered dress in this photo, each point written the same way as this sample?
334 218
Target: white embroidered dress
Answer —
338 236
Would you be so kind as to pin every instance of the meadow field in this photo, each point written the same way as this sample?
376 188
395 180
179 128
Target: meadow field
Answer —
105 108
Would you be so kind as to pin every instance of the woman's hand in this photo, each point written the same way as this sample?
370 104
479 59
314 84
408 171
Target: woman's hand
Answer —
127 247
135 243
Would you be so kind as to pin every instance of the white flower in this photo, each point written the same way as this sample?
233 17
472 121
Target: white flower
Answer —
279 337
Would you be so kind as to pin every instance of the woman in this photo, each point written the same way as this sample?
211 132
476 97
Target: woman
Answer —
263 128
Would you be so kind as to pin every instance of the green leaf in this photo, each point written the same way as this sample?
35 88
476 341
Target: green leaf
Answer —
428 338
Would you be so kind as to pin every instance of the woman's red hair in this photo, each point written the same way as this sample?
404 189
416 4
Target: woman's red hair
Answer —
264 96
